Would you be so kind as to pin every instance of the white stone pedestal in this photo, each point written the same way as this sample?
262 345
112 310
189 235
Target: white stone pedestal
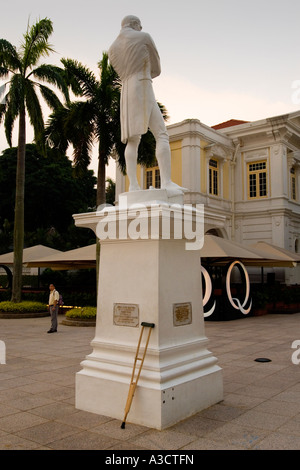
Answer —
155 281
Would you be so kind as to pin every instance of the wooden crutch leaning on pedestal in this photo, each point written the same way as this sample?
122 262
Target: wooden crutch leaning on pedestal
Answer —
133 383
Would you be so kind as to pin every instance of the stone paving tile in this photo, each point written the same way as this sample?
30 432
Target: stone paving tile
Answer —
30 402
291 427
289 396
261 420
12 442
17 421
51 377
6 410
278 441
222 412
37 388
168 440
15 382
279 407
231 386
253 390
208 444
7 375
84 419
54 410
274 382
241 400
113 429
58 366
12 395
83 441
197 425
237 435
125 445
47 432
60 393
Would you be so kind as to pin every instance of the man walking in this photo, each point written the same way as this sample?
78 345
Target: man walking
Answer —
53 308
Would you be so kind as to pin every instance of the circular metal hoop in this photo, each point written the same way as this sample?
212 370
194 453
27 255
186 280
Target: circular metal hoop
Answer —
234 301
208 292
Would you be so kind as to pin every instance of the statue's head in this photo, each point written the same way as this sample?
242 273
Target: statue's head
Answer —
131 21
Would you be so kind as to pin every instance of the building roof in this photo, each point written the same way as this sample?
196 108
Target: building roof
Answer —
230 123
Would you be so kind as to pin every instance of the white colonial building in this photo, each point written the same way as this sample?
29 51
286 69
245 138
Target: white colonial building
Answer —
248 172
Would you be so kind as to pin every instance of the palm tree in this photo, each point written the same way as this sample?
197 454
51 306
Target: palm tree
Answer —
24 76
93 119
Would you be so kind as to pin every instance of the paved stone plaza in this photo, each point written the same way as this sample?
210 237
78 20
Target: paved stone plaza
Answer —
261 407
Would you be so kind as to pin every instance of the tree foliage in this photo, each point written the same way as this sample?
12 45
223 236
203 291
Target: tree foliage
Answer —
24 77
52 195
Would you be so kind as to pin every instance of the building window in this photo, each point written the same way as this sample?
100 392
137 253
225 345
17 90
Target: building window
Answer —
153 177
257 180
213 168
293 183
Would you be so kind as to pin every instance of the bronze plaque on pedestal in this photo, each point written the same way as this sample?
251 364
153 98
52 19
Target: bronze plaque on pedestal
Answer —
126 315
182 314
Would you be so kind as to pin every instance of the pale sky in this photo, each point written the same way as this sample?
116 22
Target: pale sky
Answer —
221 59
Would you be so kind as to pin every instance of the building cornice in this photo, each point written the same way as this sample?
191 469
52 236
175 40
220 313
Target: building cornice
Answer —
284 128
190 128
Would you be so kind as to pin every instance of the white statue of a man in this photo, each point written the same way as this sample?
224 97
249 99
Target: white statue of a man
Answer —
135 58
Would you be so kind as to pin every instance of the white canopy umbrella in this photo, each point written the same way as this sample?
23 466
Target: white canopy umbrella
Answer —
217 250
79 258
37 251
273 251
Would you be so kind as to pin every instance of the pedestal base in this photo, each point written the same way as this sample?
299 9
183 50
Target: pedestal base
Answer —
156 281
154 408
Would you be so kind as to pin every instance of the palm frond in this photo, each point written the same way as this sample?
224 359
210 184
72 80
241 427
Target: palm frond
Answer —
35 43
2 111
163 111
81 114
35 113
72 124
9 120
9 58
2 90
50 97
80 78
54 132
146 151
82 154
79 128
53 75
4 72
16 95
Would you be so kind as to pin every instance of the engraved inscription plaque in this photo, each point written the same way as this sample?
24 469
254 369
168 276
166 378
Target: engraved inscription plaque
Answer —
182 314
126 315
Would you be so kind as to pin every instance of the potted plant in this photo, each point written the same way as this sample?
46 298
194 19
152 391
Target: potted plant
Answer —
260 300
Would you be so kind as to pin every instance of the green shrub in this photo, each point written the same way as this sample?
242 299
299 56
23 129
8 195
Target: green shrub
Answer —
23 307
84 312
